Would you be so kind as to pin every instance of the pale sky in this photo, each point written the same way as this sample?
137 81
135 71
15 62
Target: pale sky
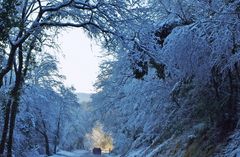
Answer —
80 64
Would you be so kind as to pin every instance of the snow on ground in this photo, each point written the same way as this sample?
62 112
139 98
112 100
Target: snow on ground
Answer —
70 154
78 153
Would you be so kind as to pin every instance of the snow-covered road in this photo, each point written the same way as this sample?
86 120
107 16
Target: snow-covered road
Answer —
77 153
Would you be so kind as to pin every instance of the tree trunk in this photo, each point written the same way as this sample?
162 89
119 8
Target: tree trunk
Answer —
57 136
15 94
12 125
9 65
5 127
55 146
6 120
45 136
47 149
232 119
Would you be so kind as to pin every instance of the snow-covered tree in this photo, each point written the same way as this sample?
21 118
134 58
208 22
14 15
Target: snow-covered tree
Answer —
193 48
26 21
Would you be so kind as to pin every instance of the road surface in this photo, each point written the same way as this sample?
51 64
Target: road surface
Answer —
78 153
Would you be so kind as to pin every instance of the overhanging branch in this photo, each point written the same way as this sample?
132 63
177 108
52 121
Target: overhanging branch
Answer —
79 25
58 7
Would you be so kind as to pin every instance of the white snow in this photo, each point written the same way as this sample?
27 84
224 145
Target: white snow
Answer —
79 153
71 154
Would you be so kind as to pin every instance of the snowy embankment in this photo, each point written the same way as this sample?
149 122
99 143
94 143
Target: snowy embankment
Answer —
79 153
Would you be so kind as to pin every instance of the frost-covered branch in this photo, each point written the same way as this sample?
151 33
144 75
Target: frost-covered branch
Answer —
57 7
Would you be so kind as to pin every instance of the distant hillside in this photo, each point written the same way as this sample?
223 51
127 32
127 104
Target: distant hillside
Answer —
84 97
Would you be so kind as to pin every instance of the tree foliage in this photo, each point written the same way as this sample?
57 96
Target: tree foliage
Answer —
186 57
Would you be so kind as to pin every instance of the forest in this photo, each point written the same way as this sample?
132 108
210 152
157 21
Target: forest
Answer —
170 87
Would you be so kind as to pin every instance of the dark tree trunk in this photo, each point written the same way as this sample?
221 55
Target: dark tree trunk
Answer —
12 126
230 120
237 70
57 136
233 83
15 94
47 148
5 127
43 132
13 102
9 65
46 140
3 72
55 147
6 119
